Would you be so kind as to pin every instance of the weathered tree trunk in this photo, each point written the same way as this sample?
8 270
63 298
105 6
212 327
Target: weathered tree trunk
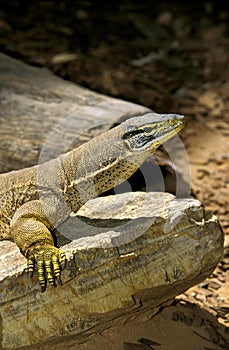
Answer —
150 248
129 254
34 102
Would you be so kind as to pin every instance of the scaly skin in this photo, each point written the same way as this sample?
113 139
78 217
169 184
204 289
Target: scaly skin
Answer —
35 200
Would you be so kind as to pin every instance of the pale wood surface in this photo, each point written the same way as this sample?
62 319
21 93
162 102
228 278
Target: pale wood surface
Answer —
147 254
34 102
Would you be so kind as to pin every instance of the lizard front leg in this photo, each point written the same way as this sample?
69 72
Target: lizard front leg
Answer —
30 229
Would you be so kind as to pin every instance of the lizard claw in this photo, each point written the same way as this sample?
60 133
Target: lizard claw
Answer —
63 263
49 261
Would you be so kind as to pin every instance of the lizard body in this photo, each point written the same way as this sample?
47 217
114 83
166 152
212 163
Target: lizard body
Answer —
35 200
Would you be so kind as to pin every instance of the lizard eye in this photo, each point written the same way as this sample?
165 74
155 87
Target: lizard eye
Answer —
172 122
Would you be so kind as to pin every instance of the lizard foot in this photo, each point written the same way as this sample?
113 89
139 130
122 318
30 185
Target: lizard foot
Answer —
49 260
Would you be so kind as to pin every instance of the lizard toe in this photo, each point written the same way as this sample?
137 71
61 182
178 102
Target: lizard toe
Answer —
31 265
58 264
41 273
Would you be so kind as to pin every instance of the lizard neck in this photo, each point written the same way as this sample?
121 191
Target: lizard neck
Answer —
96 167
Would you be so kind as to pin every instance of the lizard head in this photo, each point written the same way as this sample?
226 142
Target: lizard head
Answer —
149 131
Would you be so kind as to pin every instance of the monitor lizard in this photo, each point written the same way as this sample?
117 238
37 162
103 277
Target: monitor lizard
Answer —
35 200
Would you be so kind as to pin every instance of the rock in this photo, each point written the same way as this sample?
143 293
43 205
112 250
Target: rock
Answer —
130 253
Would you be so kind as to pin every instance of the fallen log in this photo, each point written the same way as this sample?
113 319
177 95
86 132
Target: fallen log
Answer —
34 102
137 251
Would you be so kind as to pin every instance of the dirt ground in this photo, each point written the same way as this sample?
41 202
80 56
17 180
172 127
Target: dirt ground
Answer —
168 57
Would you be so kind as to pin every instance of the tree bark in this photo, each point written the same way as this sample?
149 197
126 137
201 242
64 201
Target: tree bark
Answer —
35 103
